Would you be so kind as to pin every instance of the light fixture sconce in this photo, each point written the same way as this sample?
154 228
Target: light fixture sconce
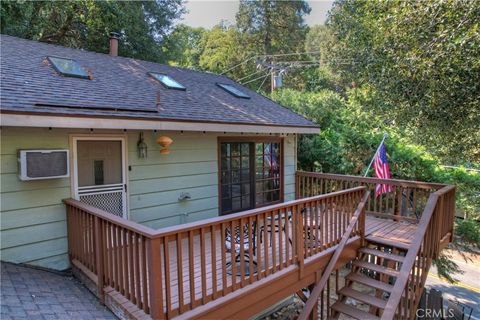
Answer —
164 142
141 147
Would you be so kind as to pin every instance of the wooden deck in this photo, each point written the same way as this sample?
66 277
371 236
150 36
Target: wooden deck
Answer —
378 227
190 271
390 230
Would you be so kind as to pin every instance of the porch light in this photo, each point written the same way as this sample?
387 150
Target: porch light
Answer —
164 141
141 147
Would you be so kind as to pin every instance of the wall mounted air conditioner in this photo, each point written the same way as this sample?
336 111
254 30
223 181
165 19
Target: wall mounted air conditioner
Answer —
43 164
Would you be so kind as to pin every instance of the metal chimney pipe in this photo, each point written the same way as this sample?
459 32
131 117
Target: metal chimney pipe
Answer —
114 36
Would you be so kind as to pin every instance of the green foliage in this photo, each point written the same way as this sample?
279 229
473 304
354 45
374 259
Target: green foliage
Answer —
220 49
469 230
422 57
273 26
350 135
86 24
184 46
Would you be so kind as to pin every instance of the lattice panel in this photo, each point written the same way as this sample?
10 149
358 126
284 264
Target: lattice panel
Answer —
111 202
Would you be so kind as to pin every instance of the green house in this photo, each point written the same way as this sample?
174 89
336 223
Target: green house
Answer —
96 127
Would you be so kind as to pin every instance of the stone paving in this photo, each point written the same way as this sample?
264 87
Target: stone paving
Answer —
28 293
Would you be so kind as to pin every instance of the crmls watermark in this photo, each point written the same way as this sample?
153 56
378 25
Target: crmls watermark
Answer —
438 313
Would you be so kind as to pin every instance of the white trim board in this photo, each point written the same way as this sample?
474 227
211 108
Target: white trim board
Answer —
22 120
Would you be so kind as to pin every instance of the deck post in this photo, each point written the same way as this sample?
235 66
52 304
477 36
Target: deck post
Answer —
99 254
155 278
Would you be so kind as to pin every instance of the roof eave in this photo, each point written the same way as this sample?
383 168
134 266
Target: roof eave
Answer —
44 120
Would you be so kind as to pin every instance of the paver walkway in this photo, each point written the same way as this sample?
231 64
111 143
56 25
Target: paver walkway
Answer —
36 294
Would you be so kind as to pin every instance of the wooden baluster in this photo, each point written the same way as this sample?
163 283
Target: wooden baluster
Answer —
99 252
145 305
266 241
233 263
120 261
126 278
259 246
115 259
214 260
250 250
242 254
153 247
131 267
300 239
287 236
281 245
203 264
137 270
166 264
181 302
224 259
191 267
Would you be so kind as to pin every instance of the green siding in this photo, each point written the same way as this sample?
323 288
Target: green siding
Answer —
32 216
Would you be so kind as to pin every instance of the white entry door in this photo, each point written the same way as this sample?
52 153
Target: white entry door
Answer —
100 181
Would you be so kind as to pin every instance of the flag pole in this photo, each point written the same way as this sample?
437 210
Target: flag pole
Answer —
384 137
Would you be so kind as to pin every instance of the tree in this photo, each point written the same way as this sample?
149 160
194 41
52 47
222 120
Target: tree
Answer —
184 46
273 26
86 24
220 49
423 59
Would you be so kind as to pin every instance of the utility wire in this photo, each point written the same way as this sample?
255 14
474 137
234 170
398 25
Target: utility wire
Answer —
268 73
251 74
263 81
237 65
268 55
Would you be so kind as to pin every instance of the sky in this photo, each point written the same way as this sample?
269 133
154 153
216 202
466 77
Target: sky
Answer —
207 13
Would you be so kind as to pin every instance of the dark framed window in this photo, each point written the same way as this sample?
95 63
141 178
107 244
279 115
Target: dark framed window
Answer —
251 173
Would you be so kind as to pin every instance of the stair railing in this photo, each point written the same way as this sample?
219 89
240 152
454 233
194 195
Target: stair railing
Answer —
357 222
436 219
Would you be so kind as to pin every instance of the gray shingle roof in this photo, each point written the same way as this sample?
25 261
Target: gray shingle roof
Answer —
121 87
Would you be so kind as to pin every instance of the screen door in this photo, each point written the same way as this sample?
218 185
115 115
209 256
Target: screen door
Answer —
100 176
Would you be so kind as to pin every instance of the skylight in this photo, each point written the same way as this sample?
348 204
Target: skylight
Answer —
233 90
167 81
68 67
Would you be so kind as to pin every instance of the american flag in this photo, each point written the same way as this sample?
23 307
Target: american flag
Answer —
381 170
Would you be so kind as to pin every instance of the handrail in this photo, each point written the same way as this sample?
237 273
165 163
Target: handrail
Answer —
396 182
156 233
317 291
411 257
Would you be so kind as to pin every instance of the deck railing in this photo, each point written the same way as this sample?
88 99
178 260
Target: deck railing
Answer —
435 222
406 201
169 271
356 222
429 205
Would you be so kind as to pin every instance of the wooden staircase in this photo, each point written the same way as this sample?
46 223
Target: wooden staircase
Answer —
371 280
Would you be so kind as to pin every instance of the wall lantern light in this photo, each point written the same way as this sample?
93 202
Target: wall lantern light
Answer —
141 147
164 141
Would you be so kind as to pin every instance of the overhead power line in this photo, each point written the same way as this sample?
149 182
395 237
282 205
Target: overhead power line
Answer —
266 74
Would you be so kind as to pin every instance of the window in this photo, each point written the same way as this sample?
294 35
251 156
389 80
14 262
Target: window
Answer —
233 90
267 172
68 67
167 81
250 174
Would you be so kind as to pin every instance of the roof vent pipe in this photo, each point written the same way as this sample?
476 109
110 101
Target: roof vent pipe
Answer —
114 36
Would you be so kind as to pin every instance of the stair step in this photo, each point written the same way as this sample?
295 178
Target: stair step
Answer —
352 311
388 243
376 267
363 297
369 282
382 254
